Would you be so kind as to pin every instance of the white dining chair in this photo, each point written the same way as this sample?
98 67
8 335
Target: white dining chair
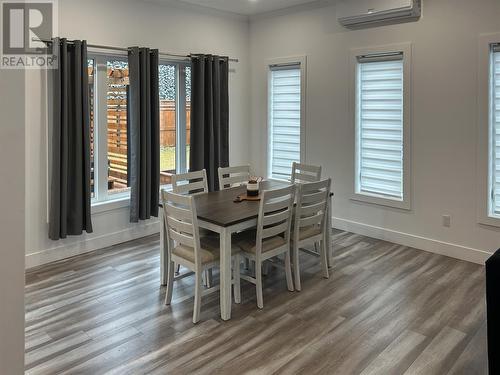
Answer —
193 183
271 238
310 223
305 173
190 183
233 176
185 247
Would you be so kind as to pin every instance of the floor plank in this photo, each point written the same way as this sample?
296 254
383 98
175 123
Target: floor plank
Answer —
386 309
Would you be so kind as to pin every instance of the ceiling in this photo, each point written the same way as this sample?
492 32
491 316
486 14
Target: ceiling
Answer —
247 7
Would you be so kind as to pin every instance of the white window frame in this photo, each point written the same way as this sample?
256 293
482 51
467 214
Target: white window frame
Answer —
101 196
406 49
484 129
102 200
283 61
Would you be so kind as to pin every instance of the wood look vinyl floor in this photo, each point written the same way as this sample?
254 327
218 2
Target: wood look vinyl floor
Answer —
386 309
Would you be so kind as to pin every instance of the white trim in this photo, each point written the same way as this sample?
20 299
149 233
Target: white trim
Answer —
418 242
483 130
90 244
302 61
406 48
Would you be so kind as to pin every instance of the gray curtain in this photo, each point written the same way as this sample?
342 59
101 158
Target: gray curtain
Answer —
144 130
209 116
70 162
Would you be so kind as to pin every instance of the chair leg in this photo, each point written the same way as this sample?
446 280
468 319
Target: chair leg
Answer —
316 247
296 267
247 264
324 259
258 284
178 269
208 282
288 271
197 296
170 283
265 268
236 276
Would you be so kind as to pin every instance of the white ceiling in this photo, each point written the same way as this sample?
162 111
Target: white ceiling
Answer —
247 7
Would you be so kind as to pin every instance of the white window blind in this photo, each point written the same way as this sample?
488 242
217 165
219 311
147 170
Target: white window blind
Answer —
495 131
284 119
379 105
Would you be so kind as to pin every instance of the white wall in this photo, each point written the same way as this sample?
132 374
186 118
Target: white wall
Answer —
128 23
12 222
444 104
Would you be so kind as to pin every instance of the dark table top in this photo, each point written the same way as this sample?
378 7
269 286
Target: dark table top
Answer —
219 208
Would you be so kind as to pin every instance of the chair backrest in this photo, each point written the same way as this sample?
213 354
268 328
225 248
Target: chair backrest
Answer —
305 173
275 215
231 176
179 215
312 200
190 183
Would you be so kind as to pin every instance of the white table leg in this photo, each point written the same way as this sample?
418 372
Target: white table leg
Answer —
328 233
225 274
163 252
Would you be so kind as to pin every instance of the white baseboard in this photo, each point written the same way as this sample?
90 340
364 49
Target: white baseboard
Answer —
422 243
90 244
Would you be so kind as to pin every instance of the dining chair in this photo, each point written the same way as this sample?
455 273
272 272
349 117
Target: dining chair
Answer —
310 223
190 182
233 176
305 173
193 183
271 237
186 247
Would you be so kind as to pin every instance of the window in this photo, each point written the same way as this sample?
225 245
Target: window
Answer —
108 93
286 107
494 148
382 129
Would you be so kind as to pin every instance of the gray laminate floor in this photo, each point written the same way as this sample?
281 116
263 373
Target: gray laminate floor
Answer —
386 309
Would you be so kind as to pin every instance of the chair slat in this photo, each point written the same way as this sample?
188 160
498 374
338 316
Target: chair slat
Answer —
311 220
311 198
177 212
275 230
180 226
275 218
305 173
313 209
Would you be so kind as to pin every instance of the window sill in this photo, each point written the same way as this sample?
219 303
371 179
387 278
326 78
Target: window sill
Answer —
110 205
380 201
491 221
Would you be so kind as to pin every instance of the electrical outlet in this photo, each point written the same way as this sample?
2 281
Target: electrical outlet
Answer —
446 221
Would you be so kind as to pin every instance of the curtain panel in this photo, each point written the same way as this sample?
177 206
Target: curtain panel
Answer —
144 130
70 194
209 147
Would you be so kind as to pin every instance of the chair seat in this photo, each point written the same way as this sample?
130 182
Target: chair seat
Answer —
210 251
246 241
307 232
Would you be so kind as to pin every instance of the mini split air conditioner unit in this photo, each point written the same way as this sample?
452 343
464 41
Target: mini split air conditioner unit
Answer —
365 13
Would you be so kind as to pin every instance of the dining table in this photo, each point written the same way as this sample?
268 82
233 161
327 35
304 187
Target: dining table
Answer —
217 211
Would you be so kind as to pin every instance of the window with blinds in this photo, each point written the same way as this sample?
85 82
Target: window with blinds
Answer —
379 125
495 131
284 119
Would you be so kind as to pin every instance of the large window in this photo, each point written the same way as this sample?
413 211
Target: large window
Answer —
494 149
285 122
380 120
108 93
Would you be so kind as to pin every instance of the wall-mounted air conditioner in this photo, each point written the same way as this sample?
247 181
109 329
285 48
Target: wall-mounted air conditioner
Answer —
364 13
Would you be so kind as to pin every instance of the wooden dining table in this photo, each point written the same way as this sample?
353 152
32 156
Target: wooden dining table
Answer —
218 212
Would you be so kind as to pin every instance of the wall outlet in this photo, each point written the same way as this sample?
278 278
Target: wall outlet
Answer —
446 221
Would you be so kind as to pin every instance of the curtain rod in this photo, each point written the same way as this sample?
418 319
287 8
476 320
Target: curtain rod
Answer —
112 48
